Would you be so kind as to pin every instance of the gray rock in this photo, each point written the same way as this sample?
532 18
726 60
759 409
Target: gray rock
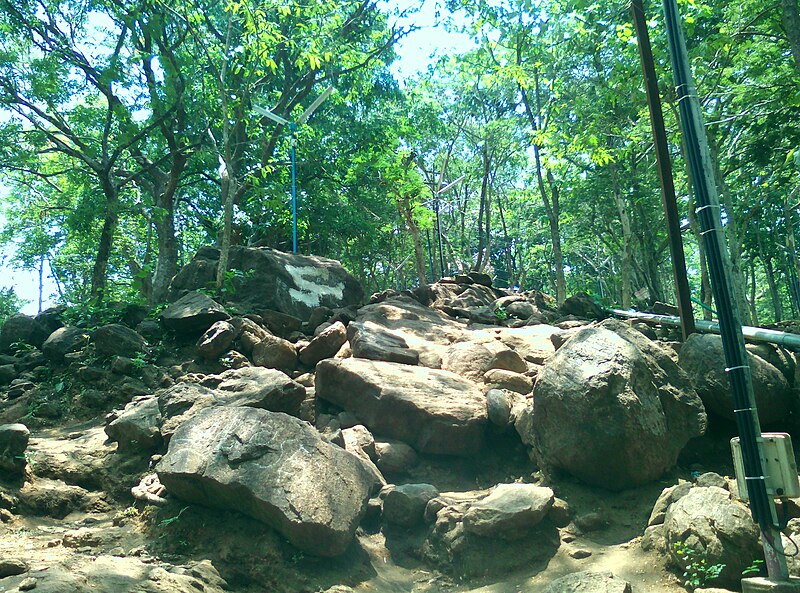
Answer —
13 442
498 407
8 372
289 283
117 340
394 457
272 467
465 553
249 334
258 387
405 504
583 306
369 340
193 313
589 582
654 539
216 340
275 353
503 379
10 567
720 529
711 479
665 499
469 360
63 341
508 359
359 436
22 329
510 511
703 359
612 408
136 428
324 345
179 403
435 411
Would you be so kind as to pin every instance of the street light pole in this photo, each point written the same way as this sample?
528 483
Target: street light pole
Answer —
293 148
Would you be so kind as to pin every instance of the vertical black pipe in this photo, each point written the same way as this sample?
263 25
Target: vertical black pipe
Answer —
664 165
709 215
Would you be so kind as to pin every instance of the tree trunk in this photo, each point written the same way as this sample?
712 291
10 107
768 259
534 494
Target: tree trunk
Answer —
791 23
228 192
777 306
732 234
105 244
791 247
413 230
753 310
167 261
627 240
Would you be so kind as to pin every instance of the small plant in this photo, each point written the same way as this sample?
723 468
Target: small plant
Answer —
139 361
171 520
130 512
756 568
501 313
22 347
697 572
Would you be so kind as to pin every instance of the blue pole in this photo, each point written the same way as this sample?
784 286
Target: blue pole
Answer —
293 130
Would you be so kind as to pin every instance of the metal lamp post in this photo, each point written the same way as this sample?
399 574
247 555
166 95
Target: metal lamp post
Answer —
293 150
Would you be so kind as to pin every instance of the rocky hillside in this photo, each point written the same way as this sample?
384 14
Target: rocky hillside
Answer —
286 437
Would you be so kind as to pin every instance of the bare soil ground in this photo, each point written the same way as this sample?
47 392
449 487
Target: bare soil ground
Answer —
108 538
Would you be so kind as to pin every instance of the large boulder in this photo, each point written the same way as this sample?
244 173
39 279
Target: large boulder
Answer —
193 313
703 359
459 548
369 340
116 339
272 467
510 511
257 387
63 341
589 582
22 329
611 408
270 279
707 523
432 410
136 428
216 340
324 345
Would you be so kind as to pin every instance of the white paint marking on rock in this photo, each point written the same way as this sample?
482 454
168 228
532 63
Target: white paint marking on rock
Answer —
312 285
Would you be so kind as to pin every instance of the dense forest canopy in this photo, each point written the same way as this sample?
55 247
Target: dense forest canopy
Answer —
128 139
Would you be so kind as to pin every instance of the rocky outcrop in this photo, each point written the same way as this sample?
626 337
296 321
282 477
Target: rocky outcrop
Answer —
715 527
324 345
193 313
272 467
63 341
510 511
216 340
479 545
269 279
432 410
118 340
703 359
22 329
148 421
612 408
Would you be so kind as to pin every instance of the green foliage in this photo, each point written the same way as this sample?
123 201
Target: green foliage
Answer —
170 520
697 572
10 304
756 568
